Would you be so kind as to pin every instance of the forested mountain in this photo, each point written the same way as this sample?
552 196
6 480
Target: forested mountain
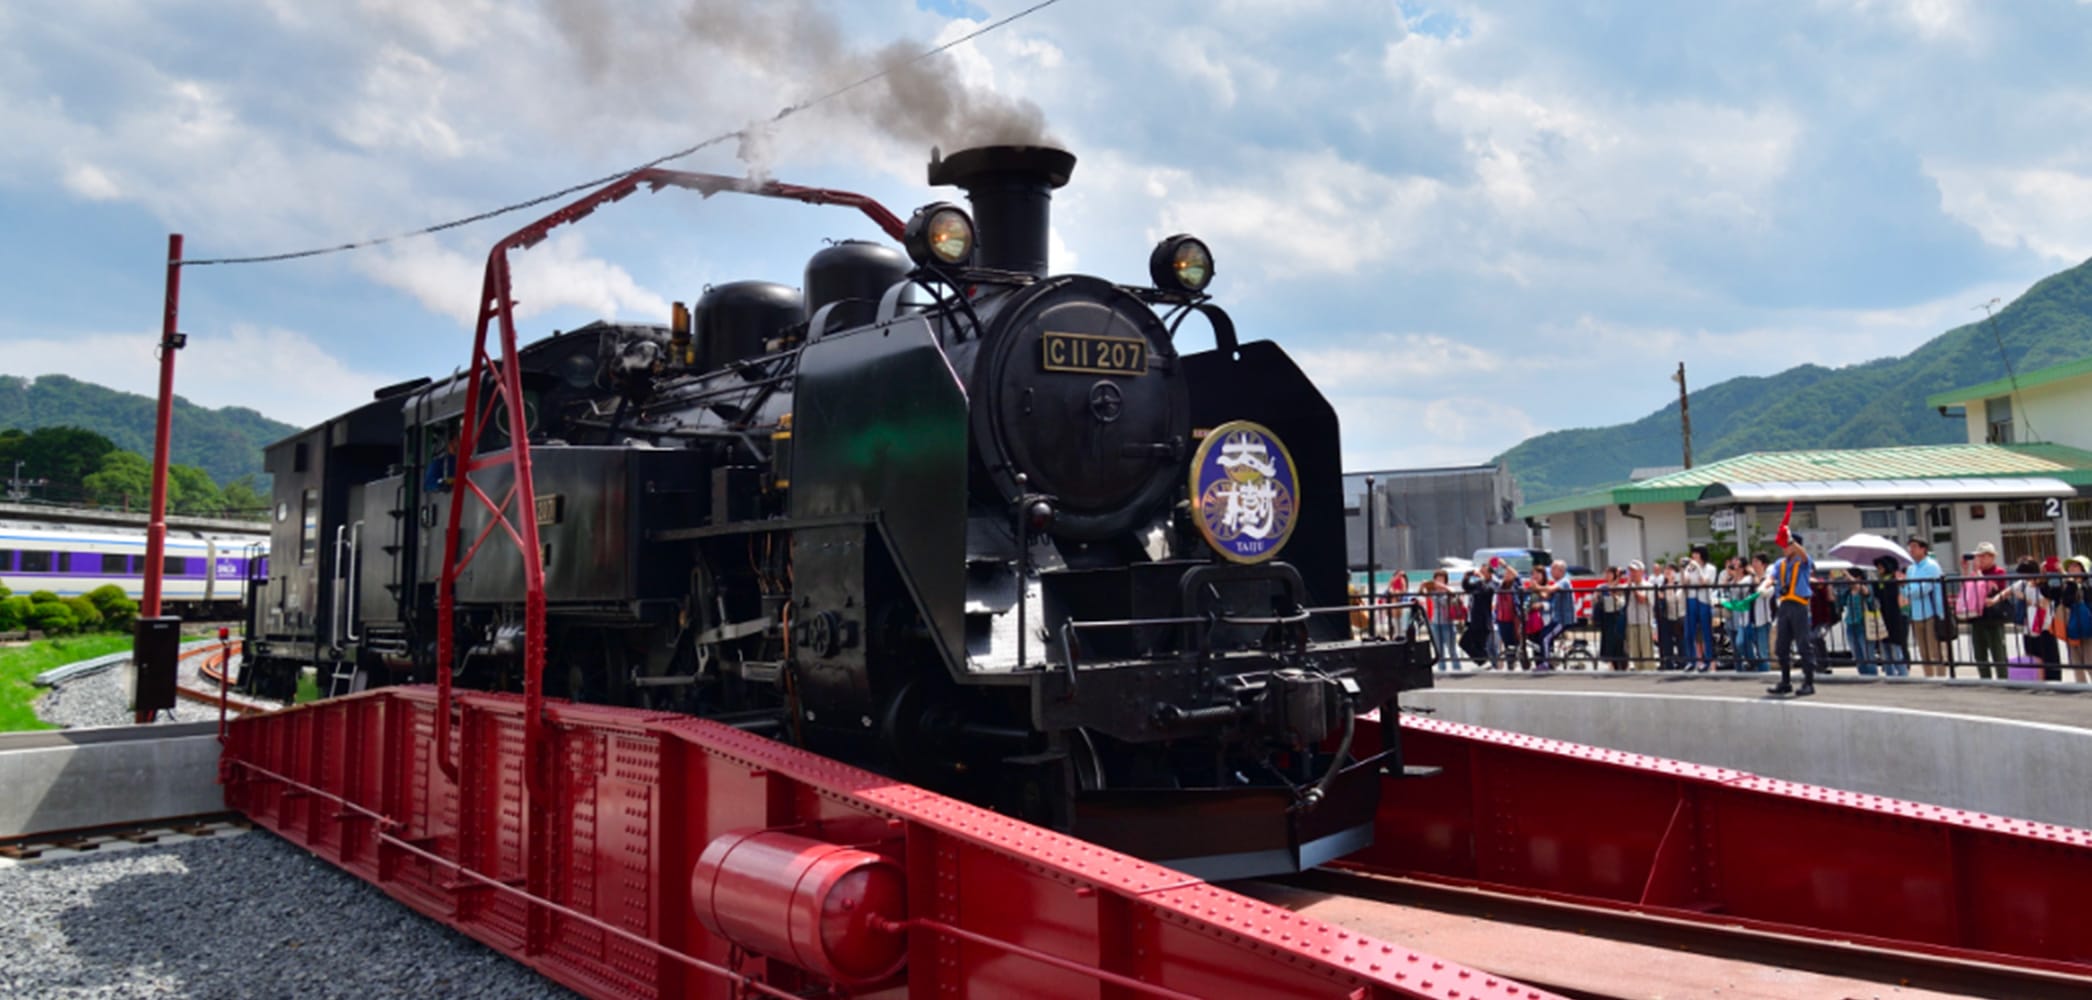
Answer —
1867 405
225 442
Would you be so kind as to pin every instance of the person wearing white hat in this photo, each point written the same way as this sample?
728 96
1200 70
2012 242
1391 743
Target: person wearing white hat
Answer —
1981 606
1641 618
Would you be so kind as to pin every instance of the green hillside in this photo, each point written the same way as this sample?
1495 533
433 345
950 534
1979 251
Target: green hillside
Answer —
1867 405
225 442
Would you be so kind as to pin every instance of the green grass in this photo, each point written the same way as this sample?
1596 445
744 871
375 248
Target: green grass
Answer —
20 663
308 689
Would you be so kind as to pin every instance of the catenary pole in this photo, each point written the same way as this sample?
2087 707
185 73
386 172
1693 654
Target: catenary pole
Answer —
156 525
1372 562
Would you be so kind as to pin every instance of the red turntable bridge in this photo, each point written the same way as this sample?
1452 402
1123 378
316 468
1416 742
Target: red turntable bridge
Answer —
685 858
681 857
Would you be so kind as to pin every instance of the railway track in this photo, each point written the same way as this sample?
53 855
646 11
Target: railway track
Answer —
215 692
59 844
1561 938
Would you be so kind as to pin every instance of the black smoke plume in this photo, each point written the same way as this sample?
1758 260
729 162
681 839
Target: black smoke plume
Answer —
918 100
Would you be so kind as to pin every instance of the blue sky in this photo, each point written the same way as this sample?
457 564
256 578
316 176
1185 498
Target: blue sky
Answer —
1472 221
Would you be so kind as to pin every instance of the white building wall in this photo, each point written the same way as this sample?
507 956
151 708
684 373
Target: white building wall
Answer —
1663 531
1978 421
1561 535
1970 532
1834 524
2059 412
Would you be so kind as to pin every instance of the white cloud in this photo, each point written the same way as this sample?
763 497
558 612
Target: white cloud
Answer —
1563 200
554 274
447 26
401 108
1632 354
2044 209
1380 360
1060 257
1932 20
1184 54
1303 213
91 182
283 374
1422 427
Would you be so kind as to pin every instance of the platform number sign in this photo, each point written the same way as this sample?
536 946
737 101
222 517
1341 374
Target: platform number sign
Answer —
2052 508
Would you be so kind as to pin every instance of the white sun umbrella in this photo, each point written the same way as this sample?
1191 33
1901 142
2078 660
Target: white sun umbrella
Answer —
1862 549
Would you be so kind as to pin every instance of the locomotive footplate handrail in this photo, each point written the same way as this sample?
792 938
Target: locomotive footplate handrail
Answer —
1071 650
979 904
755 525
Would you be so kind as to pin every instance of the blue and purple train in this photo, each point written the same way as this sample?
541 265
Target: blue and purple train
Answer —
204 572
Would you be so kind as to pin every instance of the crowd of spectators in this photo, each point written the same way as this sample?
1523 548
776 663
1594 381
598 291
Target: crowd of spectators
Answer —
1690 614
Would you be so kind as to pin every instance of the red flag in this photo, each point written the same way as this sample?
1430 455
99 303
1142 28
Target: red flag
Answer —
1783 538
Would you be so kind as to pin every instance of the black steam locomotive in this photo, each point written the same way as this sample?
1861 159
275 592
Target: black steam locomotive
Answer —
944 515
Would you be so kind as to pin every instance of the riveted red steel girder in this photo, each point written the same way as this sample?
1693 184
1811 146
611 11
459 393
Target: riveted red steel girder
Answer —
993 907
1582 824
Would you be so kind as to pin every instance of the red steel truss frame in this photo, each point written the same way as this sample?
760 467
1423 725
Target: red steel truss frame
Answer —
503 379
994 907
1580 824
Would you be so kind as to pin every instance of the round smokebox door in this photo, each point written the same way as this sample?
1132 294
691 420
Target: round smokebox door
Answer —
1085 400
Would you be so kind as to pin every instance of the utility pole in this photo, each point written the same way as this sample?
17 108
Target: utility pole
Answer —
1372 563
15 490
1684 413
156 639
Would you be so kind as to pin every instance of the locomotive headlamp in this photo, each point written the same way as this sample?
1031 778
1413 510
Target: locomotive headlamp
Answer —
940 233
1181 264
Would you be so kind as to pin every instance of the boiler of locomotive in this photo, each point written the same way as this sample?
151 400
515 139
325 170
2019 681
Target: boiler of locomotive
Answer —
1072 381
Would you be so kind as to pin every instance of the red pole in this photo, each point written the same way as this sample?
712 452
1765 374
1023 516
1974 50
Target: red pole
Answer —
156 527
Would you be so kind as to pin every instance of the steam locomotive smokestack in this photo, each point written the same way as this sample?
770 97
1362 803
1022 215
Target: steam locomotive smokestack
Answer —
1011 188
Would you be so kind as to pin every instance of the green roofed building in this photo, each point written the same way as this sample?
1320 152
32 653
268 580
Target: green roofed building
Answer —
2051 404
2026 498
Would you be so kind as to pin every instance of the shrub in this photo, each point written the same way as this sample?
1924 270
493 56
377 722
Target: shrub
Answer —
52 618
105 595
85 614
5 593
42 597
14 613
117 611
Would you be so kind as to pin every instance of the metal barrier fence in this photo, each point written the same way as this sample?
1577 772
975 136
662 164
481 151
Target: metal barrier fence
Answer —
2008 626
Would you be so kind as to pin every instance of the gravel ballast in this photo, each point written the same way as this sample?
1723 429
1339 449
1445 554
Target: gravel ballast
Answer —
103 698
249 915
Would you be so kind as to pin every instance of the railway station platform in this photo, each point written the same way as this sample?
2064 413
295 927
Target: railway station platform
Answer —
86 778
2008 748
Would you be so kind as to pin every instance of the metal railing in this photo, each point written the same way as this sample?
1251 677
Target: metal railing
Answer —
1730 626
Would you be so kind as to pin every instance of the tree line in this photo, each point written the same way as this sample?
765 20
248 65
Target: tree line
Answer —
71 465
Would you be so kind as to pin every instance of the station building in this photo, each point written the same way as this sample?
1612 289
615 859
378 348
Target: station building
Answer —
1421 515
2027 499
2052 405
2022 481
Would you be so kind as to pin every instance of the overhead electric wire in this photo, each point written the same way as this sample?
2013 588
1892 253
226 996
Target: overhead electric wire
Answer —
783 113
